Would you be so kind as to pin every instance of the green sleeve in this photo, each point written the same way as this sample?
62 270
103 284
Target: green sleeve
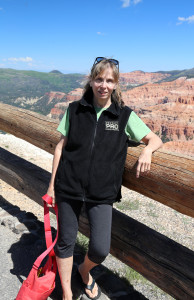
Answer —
63 127
136 129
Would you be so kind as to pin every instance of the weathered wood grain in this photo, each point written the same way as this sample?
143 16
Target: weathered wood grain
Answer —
29 126
170 180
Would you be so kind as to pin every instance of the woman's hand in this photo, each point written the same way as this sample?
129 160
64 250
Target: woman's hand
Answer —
153 143
51 193
56 159
144 161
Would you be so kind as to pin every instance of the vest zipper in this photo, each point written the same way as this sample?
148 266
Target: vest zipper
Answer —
91 152
94 137
83 198
92 148
91 156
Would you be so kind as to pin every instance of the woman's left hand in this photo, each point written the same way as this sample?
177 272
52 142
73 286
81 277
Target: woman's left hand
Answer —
153 143
144 161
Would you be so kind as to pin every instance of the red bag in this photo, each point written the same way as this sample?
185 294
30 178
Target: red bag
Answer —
41 281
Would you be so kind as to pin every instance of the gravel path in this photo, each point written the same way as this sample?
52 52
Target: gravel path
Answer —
155 215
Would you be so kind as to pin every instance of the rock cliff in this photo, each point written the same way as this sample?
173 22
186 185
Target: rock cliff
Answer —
180 90
58 111
168 109
74 95
172 121
55 95
140 77
184 148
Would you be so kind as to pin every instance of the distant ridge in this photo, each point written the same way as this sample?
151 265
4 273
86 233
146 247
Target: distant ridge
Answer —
32 90
56 72
189 73
32 84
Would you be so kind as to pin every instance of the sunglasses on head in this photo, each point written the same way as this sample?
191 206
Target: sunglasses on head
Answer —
111 60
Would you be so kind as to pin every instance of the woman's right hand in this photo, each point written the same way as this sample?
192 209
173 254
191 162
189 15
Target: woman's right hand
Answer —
56 159
51 193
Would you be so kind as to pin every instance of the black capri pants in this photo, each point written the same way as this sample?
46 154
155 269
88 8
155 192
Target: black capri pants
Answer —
100 221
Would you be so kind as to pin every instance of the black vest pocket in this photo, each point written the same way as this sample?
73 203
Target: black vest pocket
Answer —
101 182
66 179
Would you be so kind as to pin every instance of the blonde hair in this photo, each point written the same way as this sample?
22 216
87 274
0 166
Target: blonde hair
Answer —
96 70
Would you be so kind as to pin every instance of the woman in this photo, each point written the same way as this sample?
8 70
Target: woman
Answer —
88 165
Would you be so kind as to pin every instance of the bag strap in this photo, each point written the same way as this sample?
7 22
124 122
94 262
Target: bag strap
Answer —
47 227
48 235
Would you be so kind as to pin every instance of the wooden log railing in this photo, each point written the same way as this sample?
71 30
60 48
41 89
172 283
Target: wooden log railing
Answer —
166 263
170 180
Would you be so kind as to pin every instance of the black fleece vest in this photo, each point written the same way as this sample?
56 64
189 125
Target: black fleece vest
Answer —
92 162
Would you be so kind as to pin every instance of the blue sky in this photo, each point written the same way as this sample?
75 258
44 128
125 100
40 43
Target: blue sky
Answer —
147 35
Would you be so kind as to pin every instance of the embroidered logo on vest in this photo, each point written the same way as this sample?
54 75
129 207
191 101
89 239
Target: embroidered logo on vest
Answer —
112 125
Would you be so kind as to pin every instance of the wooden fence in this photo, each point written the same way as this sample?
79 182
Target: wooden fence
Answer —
164 262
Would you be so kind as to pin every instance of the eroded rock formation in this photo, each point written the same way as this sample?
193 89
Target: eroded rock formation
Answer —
58 111
168 109
140 77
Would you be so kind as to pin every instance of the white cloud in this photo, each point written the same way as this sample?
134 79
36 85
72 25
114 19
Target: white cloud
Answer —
136 1
187 20
127 3
23 59
100 33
